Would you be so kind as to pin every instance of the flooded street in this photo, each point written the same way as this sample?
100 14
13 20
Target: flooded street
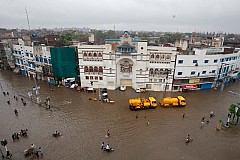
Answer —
84 124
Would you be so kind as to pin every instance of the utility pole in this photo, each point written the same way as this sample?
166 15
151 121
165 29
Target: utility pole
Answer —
165 89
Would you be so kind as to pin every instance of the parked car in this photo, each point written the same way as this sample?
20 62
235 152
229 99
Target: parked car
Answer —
123 88
140 90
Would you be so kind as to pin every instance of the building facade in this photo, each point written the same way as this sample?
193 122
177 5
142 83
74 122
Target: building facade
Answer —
126 62
205 69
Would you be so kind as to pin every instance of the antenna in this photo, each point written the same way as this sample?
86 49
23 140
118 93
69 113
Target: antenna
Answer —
27 17
114 28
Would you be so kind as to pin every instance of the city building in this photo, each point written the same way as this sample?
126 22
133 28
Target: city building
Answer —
126 62
205 68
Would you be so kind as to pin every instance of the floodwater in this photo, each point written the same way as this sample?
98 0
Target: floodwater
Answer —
84 124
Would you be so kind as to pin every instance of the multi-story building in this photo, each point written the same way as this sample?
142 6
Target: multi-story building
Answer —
126 62
24 58
205 68
33 60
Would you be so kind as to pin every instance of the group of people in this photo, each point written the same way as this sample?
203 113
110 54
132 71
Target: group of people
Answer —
211 114
56 134
33 151
23 133
106 148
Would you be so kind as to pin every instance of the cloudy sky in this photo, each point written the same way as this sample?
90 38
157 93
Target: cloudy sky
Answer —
148 15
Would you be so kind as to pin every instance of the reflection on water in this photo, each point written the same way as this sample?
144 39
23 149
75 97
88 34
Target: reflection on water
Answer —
84 124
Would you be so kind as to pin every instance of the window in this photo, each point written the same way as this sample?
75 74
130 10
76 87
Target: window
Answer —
95 69
100 78
96 78
141 47
152 56
213 71
85 69
203 72
206 61
193 73
90 69
179 73
215 61
94 54
87 77
180 61
84 54
100 70
157 56
99 55
91 77
195 61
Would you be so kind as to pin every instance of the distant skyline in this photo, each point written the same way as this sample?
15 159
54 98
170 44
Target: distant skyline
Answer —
136 15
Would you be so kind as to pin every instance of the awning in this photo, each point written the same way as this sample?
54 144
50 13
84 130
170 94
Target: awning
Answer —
189 86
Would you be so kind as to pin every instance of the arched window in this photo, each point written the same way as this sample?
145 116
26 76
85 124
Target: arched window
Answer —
94 54
85 69
90 69
157 56
152 56
95 69
168 57
100 70
151 71
161 71
156 71
162 56
99 54
84 54
89 54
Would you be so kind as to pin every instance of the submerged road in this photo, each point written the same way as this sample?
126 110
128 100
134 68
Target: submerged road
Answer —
84 124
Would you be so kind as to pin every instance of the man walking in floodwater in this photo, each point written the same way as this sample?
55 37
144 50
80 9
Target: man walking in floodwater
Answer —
16 112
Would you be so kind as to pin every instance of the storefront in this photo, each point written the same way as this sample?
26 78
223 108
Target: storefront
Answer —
186 87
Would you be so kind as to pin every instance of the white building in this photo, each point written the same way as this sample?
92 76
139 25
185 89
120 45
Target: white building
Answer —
32 59
126 62
24 58
205 68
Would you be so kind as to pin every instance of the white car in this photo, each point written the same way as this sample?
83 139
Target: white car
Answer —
138 90
123 88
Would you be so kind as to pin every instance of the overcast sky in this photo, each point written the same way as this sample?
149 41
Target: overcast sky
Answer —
148 15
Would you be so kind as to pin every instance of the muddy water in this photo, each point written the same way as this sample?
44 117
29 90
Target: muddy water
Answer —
84 124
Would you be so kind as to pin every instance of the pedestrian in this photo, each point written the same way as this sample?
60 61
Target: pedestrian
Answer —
7 93
8 102
183 115
202 123
137 115
108 134
16 112
148 122
102 146
16 98
4 93
22 99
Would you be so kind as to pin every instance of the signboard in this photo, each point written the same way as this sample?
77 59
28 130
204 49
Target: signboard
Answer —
197 80
189 86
